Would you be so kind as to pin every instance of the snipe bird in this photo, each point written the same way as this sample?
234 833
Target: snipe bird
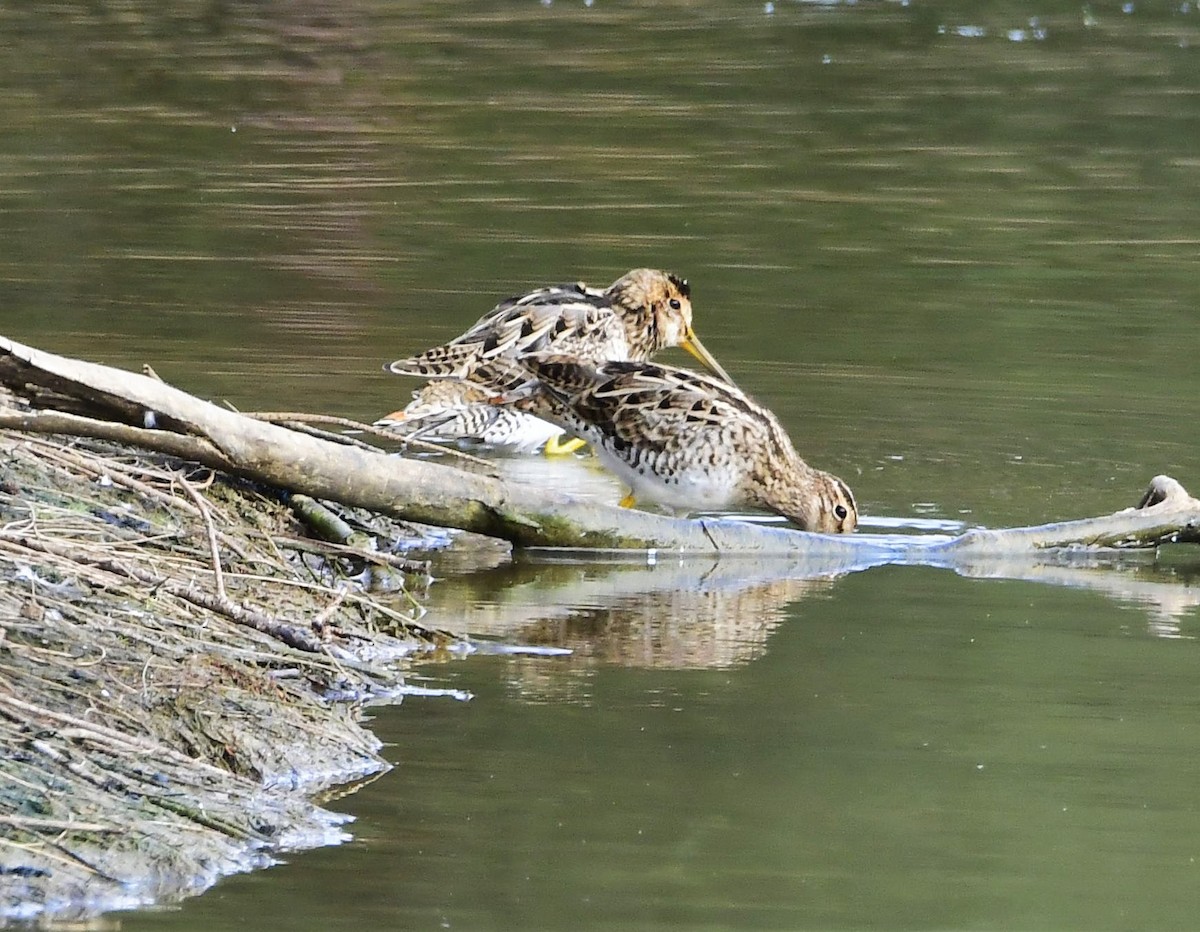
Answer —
642 312
684 439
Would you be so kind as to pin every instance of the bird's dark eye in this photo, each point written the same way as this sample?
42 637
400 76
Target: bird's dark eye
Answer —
675 305
841 512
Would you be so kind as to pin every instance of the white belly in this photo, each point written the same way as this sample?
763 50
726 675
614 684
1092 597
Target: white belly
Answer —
685 489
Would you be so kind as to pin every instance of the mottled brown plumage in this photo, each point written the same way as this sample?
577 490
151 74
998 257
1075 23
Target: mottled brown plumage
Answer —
457 411
639 314
684 439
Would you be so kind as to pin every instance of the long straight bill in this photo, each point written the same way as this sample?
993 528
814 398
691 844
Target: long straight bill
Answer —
692 344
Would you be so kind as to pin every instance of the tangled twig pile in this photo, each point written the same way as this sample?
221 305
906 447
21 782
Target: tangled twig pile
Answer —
169 641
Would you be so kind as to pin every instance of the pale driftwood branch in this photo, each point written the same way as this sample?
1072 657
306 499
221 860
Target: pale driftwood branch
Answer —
136 409
1166 514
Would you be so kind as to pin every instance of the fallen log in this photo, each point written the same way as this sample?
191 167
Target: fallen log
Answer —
60 395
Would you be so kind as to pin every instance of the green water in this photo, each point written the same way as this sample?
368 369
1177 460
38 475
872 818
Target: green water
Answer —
957 257
909 750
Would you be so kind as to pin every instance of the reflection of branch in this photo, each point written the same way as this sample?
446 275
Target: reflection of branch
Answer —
673 614
688 613
136 409
1166 601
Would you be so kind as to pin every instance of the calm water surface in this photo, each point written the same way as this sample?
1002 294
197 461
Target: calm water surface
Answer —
955 250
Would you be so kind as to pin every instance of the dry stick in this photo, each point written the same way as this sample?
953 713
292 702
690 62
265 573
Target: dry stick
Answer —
184 446
214 548
289 634
208 483
300 426
323 547
32 822
363 602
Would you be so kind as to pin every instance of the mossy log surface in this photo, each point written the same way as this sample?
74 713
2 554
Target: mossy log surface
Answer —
76 397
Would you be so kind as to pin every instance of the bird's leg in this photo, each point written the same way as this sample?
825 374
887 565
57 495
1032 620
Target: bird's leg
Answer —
629 500
556 446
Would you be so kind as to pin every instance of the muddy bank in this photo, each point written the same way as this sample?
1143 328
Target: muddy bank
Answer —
181 661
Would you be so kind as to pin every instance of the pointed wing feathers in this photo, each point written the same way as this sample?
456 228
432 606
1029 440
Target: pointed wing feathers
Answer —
644 403
562 317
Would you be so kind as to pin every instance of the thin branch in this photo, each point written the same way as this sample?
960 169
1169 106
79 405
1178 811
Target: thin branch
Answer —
36 823
185 446
213 546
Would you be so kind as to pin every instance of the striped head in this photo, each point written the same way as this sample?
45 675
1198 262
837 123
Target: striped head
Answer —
656 309
827 508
